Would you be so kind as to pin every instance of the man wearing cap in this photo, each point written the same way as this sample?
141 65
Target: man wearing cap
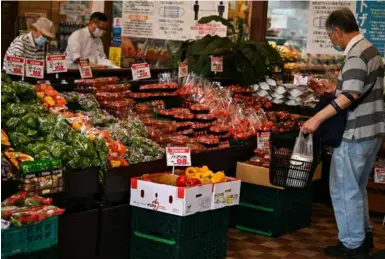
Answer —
86 43
31 45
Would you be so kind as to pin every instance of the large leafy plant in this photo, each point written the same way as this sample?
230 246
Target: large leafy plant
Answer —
245 61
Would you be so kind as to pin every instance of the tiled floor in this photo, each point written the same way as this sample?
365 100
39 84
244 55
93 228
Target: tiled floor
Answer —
303 244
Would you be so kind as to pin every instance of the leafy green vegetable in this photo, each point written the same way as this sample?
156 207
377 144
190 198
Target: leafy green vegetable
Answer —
18 139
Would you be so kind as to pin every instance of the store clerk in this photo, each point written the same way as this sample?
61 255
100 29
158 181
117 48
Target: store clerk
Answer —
86 43
31 45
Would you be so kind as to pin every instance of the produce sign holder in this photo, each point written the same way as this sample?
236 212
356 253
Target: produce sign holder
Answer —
34 68
15 66
29 238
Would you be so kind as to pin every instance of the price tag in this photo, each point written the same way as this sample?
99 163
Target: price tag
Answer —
56 64
301 80
15 66
182 69
216 64
263 141
178 156
34 68
379 175
85 69
140 71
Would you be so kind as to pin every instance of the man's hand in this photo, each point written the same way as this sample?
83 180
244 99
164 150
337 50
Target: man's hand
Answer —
311 125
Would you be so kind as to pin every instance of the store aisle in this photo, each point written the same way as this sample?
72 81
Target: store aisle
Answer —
306 243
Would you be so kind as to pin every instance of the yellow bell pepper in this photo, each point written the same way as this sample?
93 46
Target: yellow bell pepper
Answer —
206 176
49 101
191 171
218 177
203 169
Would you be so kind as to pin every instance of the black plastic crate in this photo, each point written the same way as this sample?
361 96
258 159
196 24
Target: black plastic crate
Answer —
78 235
276 200
115 233
177 228
210 246
286 172
262 221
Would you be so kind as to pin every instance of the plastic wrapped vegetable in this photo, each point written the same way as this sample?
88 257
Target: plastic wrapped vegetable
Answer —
16 199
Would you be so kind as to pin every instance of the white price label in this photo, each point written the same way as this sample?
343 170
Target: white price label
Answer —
85 69
56 64
140 71
379 175
263 141
15 66
301 80
34 68
182 69
178 156
216 64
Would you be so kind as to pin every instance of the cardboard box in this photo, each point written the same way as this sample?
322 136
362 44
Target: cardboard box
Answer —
157 194
226 193
260 175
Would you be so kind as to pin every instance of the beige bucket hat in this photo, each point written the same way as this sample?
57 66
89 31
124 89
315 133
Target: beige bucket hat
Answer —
45 26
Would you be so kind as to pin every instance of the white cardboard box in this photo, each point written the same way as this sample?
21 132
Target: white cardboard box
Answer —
182 201
226 193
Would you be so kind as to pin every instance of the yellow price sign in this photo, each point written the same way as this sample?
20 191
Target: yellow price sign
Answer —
115 55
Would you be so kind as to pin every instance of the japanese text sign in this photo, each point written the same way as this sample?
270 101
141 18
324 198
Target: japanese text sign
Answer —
182 69
34 68
15 66
178 156
56 64
216 64
85 69
140 71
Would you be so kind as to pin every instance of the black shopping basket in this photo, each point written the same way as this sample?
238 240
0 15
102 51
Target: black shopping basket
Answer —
287 172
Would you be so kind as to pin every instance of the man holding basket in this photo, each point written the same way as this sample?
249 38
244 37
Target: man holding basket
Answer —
360 92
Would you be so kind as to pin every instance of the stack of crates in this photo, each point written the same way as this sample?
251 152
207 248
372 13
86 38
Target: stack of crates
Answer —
165 236
273 212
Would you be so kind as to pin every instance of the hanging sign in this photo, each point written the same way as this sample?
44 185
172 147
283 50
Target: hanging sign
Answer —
140 71
216 64
85 69
34 68
56 64
15 66
182 69
178 156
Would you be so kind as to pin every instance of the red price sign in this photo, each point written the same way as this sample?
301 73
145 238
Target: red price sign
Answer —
178 156
140 71
216 64
182 69
15 66
85 69
34 68
56 64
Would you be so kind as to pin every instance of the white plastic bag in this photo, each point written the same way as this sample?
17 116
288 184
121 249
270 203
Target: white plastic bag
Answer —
300 161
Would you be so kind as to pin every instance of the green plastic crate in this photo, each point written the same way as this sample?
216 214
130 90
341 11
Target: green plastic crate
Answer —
265 221
178 228
29 238
274 199
209 246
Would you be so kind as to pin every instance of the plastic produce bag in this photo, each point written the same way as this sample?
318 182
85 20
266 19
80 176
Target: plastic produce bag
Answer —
300 161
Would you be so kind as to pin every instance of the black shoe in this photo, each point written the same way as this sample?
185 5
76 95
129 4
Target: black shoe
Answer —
341 251
368 242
